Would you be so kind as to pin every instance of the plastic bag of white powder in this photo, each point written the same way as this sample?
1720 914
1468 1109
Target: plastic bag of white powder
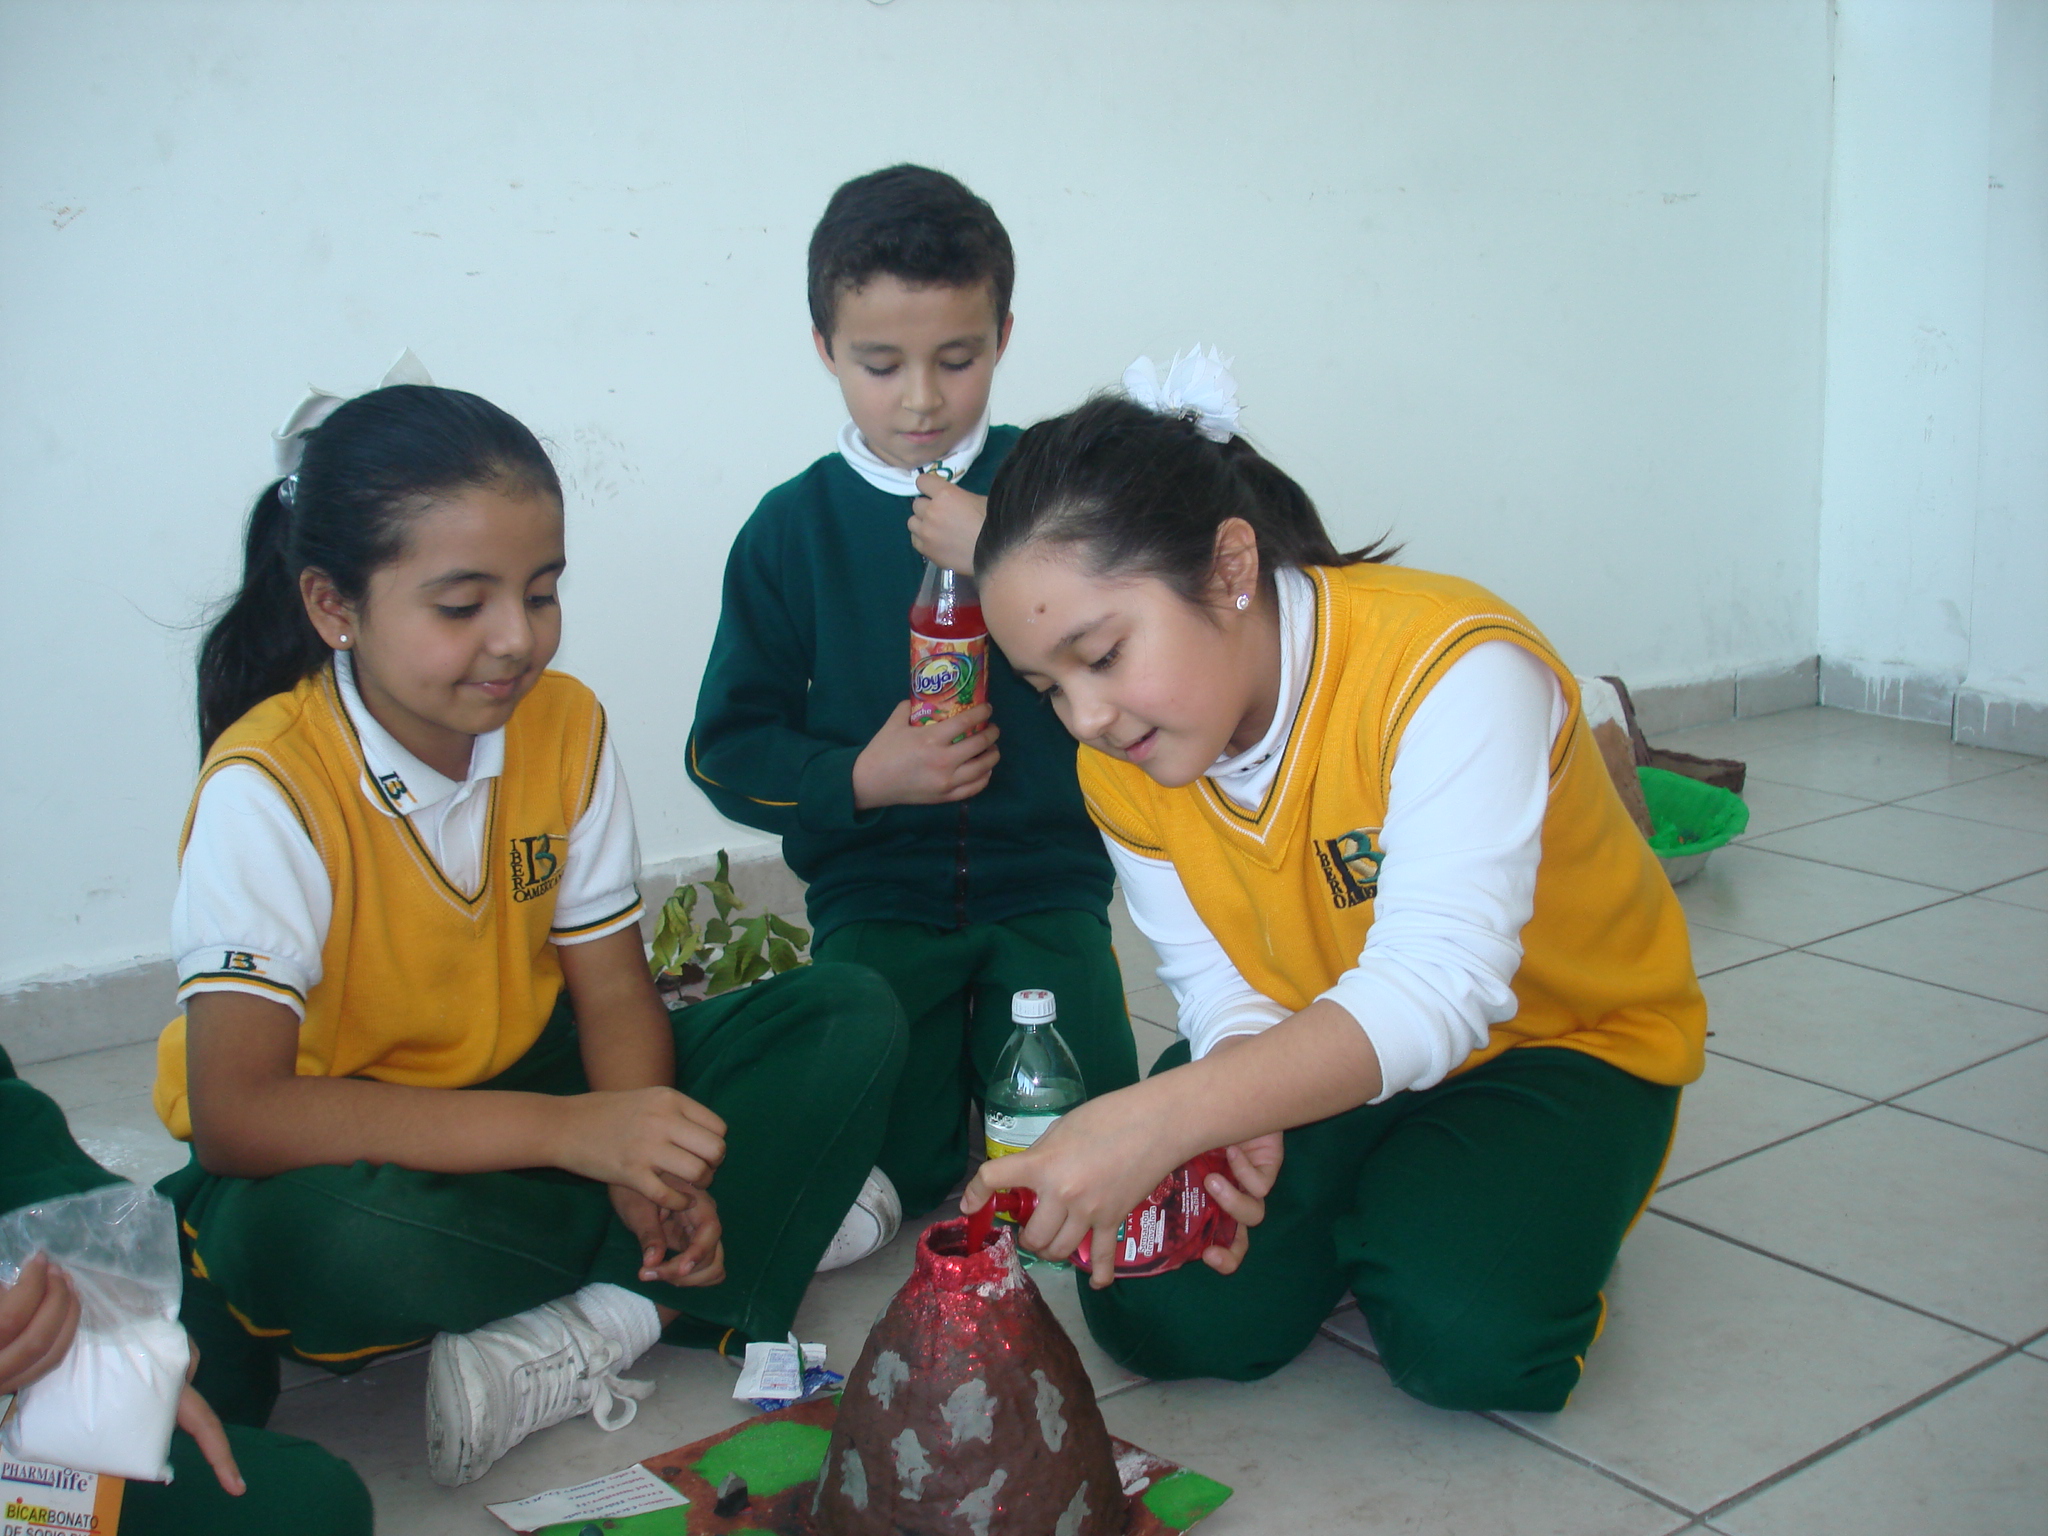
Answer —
111 1403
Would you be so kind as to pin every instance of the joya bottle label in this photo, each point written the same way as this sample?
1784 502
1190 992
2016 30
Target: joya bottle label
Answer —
948 646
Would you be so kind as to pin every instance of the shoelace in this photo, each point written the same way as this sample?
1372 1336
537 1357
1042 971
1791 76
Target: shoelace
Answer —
557 1386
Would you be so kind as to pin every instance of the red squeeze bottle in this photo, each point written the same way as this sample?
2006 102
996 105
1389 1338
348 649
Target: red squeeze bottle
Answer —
1172 1225
948 646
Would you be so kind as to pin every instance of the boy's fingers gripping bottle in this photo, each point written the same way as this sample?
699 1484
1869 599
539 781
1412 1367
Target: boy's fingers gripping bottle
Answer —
1036 1079
948 646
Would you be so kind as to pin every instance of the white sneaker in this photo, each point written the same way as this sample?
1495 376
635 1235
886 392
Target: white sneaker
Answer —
876 1216
489 1389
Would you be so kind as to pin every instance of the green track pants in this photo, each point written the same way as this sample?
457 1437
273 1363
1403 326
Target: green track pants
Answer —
339 1264
955 987
293 1485
1475 1222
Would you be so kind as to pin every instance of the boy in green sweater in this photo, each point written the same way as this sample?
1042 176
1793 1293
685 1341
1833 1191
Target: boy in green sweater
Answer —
960 869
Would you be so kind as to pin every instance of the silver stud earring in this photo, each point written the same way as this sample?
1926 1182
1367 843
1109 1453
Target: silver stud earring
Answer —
1244 601
344 638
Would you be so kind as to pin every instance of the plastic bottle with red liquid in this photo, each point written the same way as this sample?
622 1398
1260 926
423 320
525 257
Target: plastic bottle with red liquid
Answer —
1174 1224
948 646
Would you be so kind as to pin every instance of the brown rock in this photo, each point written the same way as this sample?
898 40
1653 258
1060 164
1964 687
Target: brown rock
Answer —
969 1413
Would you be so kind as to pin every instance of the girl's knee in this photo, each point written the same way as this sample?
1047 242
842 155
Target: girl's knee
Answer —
1502 1364
1144 1332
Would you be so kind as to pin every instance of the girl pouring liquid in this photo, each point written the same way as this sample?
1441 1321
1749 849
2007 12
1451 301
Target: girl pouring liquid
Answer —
1436 996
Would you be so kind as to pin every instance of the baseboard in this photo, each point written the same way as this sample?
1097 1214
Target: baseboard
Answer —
2010 725
125 1005
1928 697
1974 717
1763 690
121 1006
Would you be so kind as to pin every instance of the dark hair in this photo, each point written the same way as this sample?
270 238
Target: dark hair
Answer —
907 222
1142 493
371 468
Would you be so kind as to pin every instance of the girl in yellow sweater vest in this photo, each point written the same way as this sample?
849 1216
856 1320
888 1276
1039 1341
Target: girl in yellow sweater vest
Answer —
1437 997
429 1086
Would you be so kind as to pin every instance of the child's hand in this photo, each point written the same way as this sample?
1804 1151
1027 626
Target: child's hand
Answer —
656 1141
38 1319
945 521
1089 1172
681 1247
931 764
197 1418
1256 1165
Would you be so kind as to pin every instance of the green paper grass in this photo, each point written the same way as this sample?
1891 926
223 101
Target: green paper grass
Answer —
771 1457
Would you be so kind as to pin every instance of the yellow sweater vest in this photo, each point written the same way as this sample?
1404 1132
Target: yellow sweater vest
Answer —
421 983
1288 890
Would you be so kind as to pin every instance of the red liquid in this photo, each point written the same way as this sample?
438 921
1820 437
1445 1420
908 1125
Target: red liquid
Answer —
950 621
948 647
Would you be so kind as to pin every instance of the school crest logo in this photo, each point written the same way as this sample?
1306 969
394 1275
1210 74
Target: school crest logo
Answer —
1351 866
536 865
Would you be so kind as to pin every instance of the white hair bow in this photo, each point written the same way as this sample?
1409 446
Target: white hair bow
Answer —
1197 386
289 440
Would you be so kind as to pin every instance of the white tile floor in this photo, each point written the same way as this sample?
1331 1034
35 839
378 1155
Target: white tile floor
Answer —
1834 1318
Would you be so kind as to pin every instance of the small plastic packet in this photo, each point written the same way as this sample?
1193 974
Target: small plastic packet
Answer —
111 1403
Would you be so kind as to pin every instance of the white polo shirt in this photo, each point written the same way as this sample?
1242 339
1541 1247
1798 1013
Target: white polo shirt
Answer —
252 880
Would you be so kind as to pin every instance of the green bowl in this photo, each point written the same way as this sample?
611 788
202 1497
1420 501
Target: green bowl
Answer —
1691 820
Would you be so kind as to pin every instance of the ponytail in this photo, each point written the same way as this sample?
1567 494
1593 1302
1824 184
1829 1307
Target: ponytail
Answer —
370 470
262 643
1143 493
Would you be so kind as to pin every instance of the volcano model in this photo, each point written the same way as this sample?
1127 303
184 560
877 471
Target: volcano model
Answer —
969 1413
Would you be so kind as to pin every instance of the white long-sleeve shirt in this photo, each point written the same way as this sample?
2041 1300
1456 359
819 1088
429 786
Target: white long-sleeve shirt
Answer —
252 880
1463 837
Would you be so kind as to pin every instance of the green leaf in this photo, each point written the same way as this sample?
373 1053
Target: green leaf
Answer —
674 937
722 974
782 955
717 931
783 928
752 968
753 933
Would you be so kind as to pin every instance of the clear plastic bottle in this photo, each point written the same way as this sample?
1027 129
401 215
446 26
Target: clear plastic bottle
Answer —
1036 1080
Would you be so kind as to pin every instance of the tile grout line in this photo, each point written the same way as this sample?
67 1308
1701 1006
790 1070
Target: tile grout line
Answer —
1493 1417
1869 1100
1957 1125
1863 1432
1982 997
1729 1162
1791 1076
1535 1439
1821 1274
1879 874
1893 1099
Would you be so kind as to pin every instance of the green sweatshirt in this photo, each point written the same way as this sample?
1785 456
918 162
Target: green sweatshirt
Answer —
812 653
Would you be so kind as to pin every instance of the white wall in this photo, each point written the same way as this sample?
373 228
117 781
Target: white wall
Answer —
2009 608
1538 287
1934 506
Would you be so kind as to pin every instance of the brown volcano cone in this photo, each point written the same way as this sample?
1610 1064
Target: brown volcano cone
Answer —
969 1413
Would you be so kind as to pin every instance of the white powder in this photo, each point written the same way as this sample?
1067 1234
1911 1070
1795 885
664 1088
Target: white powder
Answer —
110 1404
